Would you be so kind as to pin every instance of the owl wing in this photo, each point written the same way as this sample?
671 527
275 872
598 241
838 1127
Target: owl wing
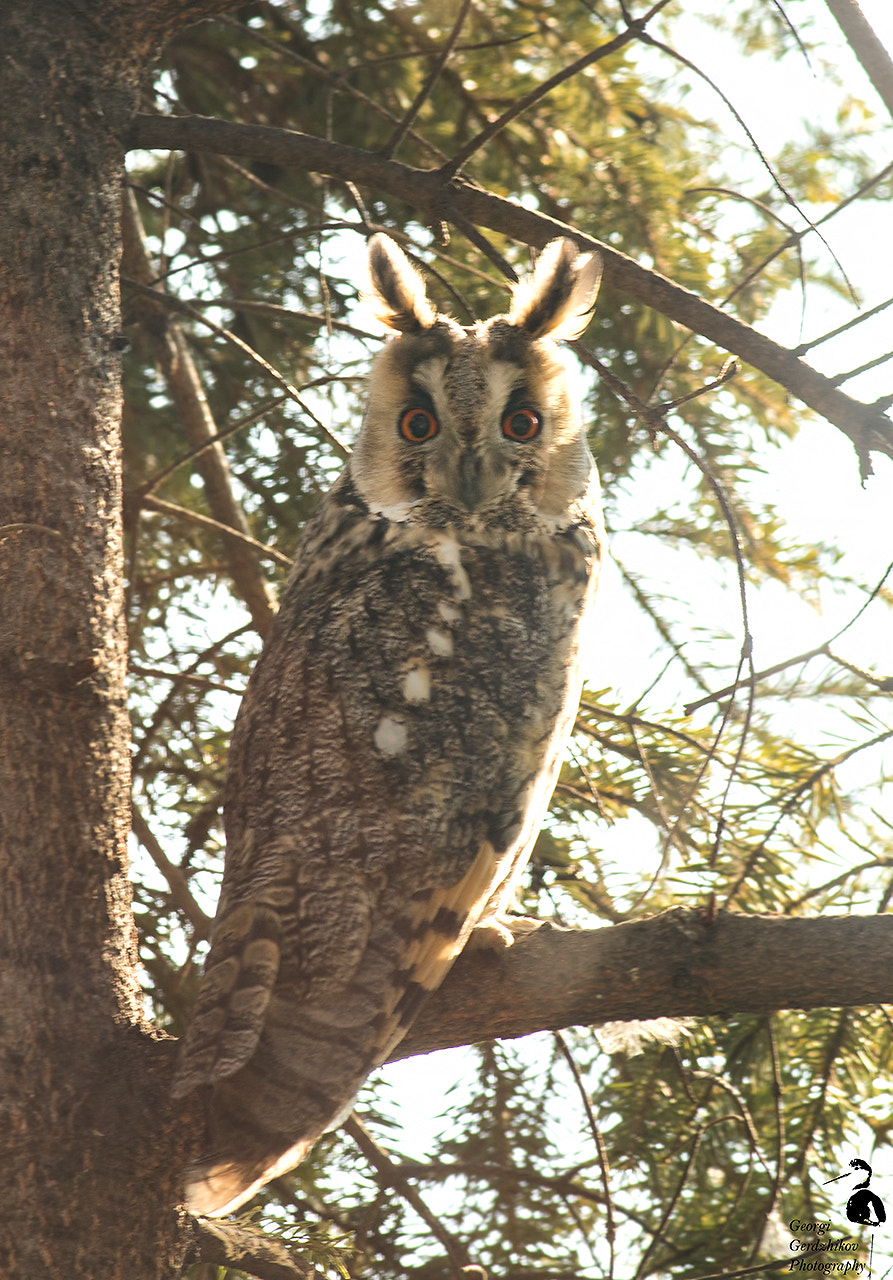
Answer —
333 919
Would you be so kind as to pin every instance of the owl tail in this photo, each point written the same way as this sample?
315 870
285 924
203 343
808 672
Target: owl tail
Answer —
215 1187
263 1119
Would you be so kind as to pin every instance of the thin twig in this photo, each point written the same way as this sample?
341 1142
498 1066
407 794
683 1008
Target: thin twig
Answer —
693 67
848 374
471 233
800 658
842 328
391 1176
163 708
181 895
25 526
180 677
827 766
660 1231
851 873
654 417
778 1107
205 522
454 166
331 78
150 485
430 81
176 304
603 1163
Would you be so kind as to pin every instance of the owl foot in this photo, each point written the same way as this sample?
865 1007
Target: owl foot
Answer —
499 932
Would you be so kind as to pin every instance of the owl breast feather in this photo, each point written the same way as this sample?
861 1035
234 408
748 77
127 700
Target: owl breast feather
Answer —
448 664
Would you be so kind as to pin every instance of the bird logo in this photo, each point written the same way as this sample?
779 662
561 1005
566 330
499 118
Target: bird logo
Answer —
863 1205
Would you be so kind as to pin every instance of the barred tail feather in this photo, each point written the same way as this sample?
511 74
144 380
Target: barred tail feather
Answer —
216 1187
438 930
235 993
311 1059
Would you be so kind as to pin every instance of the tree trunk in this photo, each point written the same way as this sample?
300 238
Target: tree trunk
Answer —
89 1160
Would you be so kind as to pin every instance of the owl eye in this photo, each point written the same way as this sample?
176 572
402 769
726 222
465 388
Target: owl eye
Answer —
521 424
418 425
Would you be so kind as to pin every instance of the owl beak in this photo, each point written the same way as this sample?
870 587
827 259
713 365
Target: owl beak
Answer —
468 481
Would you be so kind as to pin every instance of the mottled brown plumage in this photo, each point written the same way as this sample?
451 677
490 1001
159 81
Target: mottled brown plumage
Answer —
401 734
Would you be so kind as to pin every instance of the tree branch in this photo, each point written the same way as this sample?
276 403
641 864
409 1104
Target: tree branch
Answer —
186 391
389 1176
678 964
181 895
871 54
205 522
865 425
635 30
227 1244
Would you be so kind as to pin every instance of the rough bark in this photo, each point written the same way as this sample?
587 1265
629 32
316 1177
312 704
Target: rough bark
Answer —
87 1148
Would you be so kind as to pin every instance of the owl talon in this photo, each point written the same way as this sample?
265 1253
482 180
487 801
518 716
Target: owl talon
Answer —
501 932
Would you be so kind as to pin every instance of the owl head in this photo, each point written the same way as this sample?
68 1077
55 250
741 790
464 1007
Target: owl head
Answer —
477 423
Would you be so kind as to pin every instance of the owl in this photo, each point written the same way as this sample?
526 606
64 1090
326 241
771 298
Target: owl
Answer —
401 734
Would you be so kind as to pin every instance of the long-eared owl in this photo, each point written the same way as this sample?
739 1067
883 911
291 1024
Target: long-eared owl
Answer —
400 737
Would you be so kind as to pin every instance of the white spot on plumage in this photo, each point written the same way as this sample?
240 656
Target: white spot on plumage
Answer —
439 642
390 736
417 684
448 611
396 512
448 554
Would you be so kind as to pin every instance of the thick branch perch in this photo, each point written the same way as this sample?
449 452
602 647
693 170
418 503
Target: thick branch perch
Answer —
865 425
675 965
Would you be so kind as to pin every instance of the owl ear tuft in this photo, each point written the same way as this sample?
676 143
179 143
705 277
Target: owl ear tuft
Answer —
396 292
557 298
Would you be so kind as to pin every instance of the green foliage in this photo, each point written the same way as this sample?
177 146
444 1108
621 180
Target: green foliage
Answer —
754 801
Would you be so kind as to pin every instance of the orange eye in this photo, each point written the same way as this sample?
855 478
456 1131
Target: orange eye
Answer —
521 424
418 425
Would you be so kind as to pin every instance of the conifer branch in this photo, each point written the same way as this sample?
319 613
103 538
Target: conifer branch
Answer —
866 425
